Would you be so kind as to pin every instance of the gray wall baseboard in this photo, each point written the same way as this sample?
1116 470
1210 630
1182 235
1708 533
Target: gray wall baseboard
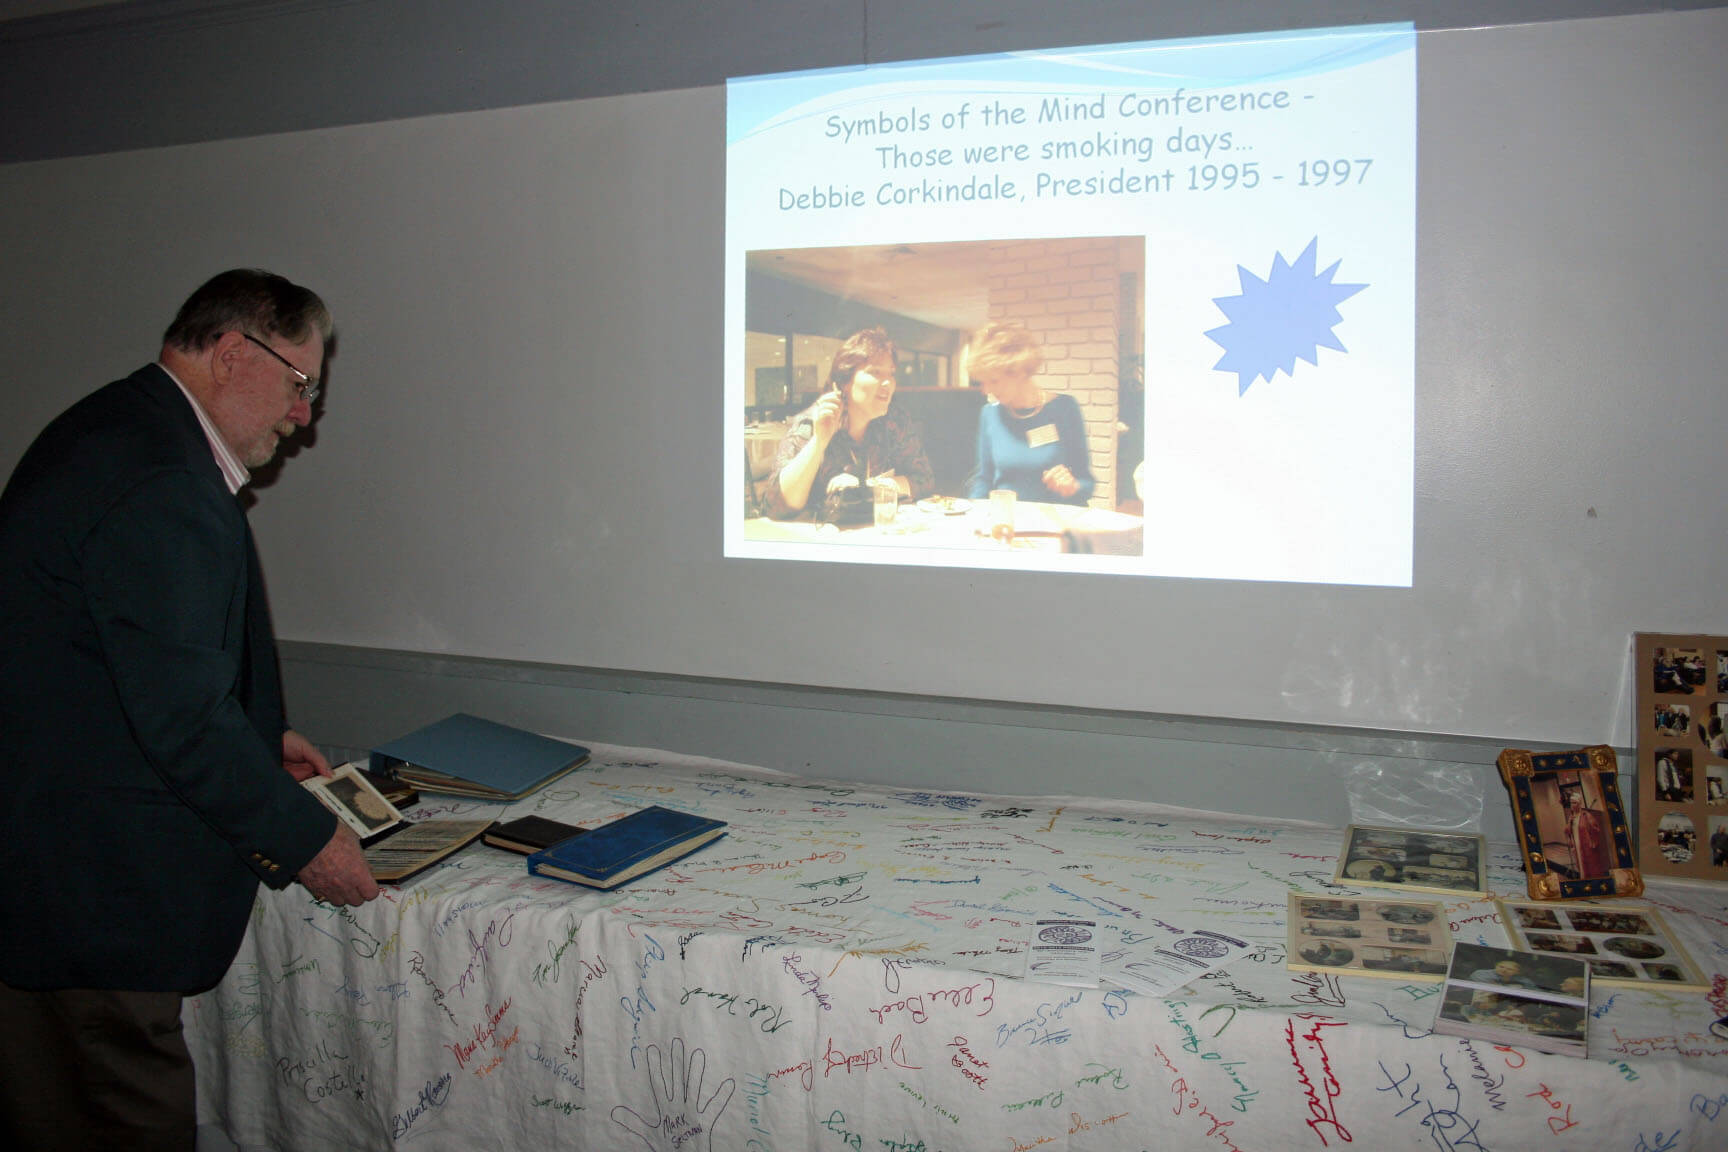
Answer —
349 699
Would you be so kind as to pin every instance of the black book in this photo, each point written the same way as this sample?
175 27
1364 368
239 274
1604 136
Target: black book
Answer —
530 834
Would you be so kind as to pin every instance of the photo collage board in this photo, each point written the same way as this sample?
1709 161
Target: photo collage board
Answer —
1415 859
1403 939
1681 728
1625 944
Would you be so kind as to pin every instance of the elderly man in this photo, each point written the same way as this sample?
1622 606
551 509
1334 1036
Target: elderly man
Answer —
150 778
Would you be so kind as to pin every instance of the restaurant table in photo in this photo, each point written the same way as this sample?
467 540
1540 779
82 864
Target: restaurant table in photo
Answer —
958 523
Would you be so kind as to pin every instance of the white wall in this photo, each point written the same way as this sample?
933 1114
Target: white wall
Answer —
520 445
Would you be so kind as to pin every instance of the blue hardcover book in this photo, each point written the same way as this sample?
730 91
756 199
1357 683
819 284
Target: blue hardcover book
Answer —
629 847
468 756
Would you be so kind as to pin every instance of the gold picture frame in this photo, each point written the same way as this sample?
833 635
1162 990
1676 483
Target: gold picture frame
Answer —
1572 827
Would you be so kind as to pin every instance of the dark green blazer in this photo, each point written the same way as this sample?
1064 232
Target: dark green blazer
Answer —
142 794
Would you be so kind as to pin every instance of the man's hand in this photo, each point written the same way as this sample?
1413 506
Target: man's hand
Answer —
338 874
301 759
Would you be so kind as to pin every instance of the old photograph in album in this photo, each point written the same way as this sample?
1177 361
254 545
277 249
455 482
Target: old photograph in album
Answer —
355 801
1414 859
1572 827
396 848
1503 996
1626 944
1406 939
1680 724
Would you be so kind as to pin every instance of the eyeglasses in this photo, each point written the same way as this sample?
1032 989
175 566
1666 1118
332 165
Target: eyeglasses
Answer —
308 387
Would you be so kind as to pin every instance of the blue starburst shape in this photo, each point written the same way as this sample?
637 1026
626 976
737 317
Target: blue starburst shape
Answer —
1288 316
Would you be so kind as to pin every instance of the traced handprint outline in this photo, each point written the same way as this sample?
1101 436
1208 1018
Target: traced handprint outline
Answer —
676 1086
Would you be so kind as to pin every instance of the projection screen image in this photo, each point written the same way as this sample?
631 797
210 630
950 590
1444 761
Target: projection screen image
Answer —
1136 309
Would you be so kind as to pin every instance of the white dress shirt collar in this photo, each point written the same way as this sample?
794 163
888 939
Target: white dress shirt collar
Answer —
234 473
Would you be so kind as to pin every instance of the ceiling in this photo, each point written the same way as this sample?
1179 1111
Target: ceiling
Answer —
942 284
274 66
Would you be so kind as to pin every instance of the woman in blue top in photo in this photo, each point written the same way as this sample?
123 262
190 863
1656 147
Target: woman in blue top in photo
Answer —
1029 440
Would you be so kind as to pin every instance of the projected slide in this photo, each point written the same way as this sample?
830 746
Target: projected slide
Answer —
1136 309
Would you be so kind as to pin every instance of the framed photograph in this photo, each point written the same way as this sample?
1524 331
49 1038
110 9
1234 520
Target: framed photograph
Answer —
1412 858
356 802
1505 997
1624 944
1402 939
1572 826
1680 725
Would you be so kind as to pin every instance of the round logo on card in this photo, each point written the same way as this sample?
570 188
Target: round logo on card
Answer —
1064 934
1200 947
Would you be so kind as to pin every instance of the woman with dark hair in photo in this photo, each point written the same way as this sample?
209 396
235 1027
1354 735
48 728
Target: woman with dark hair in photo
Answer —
851 436
1029 440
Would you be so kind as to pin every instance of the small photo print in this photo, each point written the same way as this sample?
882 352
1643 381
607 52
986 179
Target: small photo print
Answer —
1719 842
1713 731
1327 955
1508 1017
1634 947
1320 909
1674 775
1411 961
1574 824
1406 913
1505 967
1716 786
1411 858
355 801
1635 923
1537 917
1673 719
1451 879
1611 970
1676 837
1678 671
1375 870
1368 937
1623 944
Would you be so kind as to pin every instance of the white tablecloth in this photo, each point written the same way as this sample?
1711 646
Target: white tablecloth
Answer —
842 971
